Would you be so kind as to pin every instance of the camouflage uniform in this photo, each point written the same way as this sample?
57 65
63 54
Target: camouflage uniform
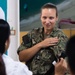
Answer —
42 61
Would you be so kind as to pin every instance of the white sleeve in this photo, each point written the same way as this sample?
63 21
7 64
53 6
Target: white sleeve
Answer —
15 68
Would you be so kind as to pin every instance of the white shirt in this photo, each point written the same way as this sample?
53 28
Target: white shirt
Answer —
2 14
14 67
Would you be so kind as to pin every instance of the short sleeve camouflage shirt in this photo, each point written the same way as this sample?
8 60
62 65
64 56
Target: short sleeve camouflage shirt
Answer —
42 61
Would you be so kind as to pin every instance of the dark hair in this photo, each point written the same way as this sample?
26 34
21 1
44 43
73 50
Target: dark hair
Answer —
2 66
70 51
4 34
50 5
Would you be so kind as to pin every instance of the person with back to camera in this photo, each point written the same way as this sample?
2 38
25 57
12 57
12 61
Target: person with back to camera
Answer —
12 67
41 46
70 52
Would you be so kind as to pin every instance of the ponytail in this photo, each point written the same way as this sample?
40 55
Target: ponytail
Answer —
2 66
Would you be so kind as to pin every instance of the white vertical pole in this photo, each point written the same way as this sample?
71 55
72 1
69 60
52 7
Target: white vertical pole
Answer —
13 20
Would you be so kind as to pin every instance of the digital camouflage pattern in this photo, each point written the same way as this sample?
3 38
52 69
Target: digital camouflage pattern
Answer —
42 61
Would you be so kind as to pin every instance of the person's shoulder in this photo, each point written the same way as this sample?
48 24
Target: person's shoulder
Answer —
57 30
6 58
60 32
35 31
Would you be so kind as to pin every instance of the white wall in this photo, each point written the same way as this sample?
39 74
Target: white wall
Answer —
13 20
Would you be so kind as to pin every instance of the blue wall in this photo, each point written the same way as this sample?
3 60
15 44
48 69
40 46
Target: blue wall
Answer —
3 5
